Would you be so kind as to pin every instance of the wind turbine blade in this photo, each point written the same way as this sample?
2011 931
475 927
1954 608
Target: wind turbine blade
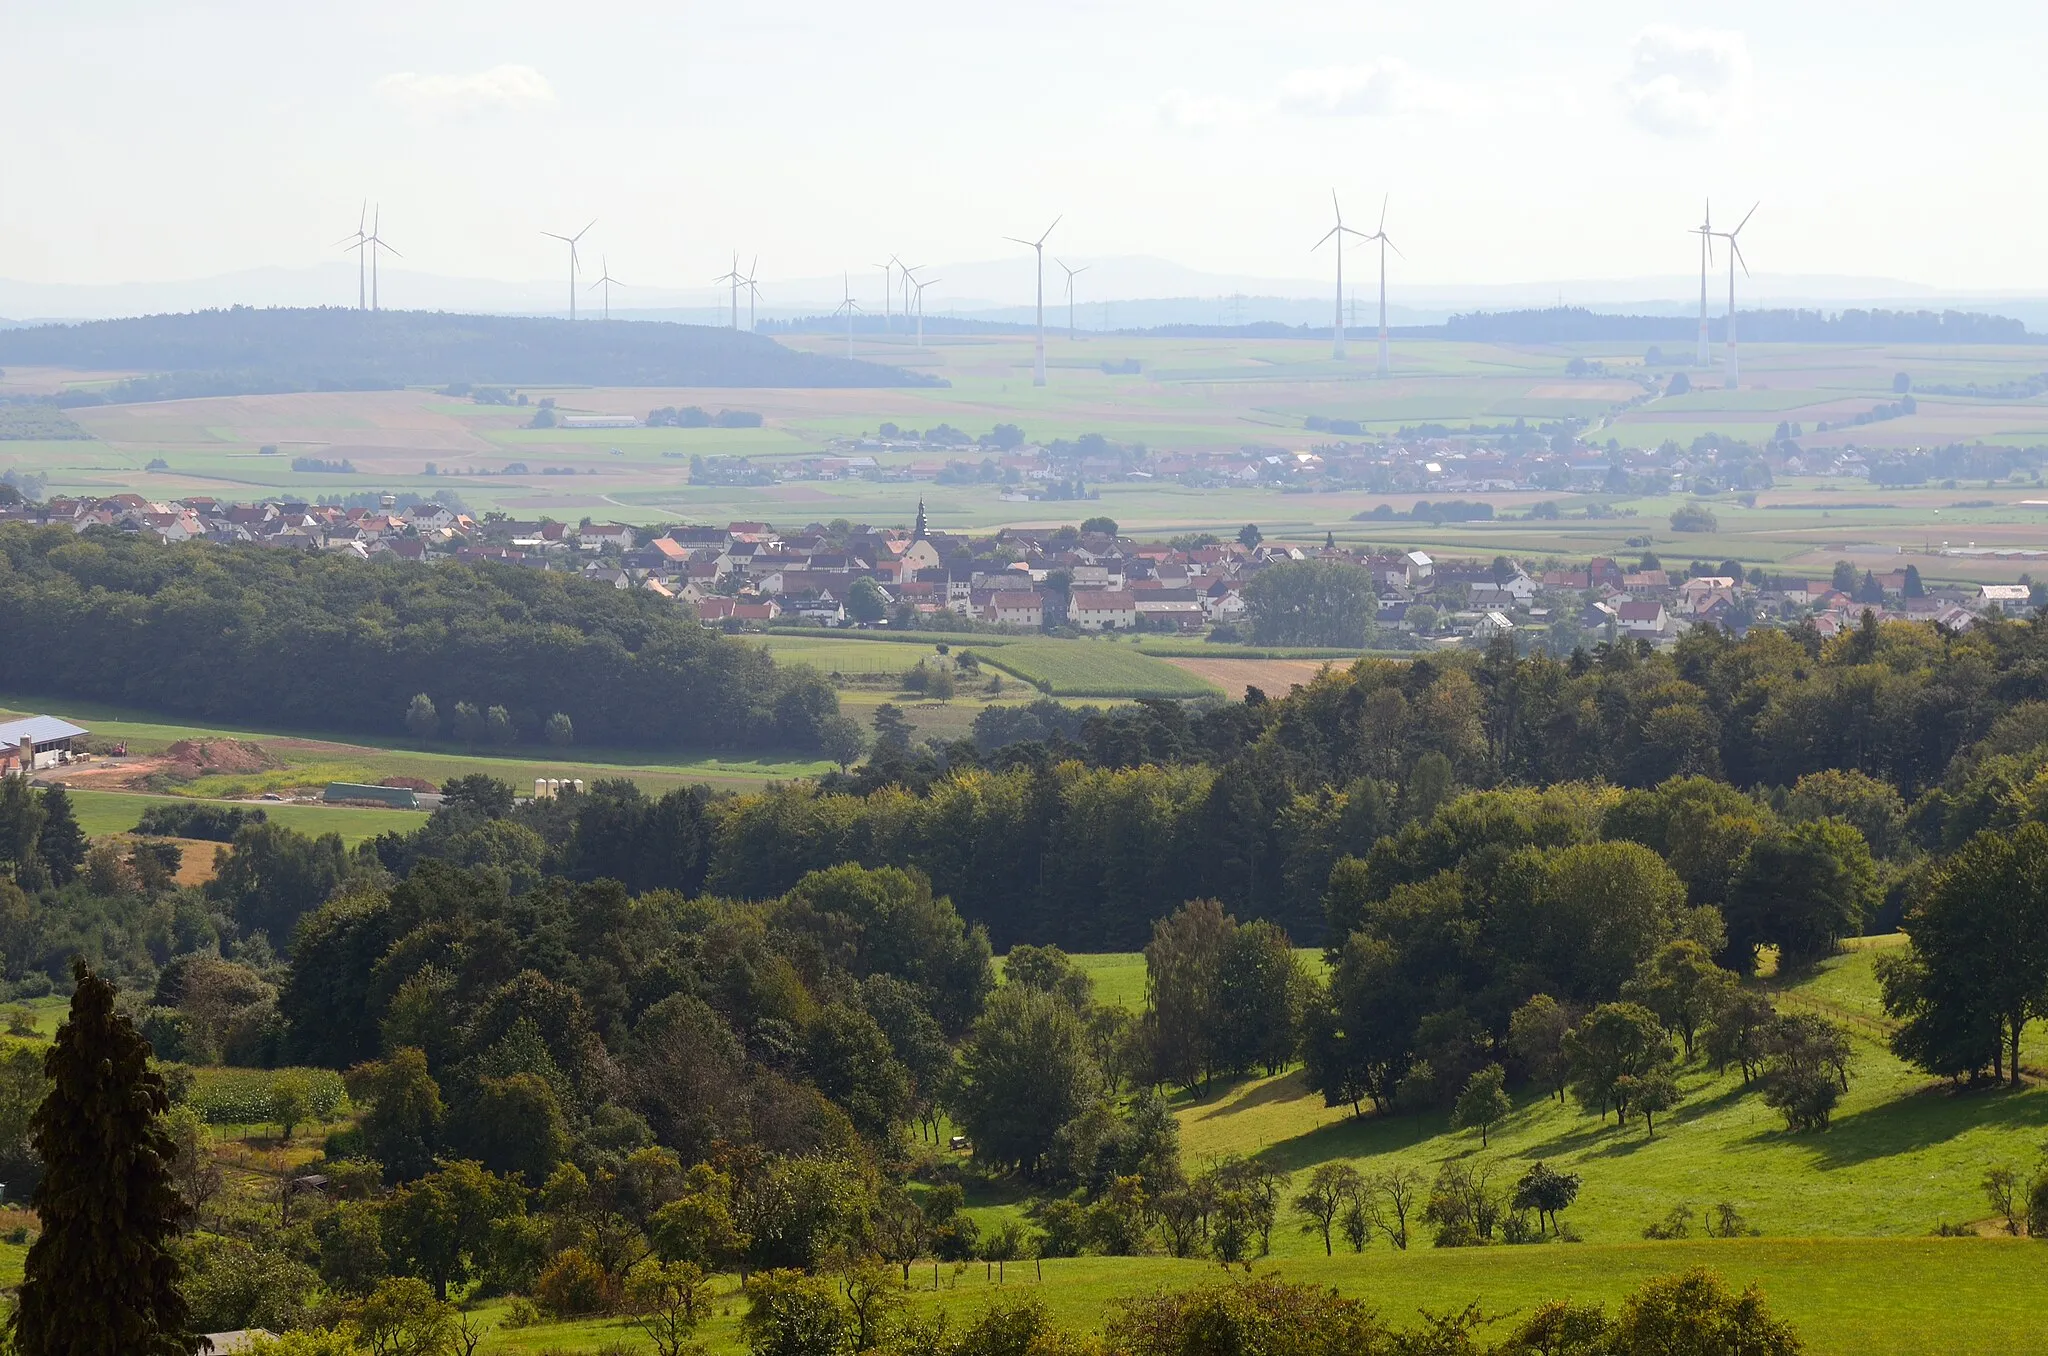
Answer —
392 248
552 236
1388 241
1738 256
1335 208
1383 213
1745 220
1334 230
1050 229
1028 244
586 229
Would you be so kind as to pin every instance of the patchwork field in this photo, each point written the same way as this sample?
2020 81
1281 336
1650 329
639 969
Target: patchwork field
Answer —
1195 394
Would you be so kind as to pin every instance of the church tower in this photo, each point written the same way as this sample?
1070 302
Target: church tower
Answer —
919 533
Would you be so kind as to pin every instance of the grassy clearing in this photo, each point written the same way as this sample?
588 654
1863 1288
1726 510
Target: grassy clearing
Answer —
109 812
305 759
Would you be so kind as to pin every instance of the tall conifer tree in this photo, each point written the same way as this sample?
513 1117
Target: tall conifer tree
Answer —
102 1279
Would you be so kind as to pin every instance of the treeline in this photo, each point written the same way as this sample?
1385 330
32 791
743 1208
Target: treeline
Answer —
246 350
320 642
1566 324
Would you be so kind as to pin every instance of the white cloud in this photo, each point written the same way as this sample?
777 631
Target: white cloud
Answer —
1186 112
1373 89
1686 82
508 86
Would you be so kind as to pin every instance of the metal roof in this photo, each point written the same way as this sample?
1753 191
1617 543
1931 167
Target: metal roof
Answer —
42 729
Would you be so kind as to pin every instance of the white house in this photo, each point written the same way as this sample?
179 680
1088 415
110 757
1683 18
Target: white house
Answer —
1102 611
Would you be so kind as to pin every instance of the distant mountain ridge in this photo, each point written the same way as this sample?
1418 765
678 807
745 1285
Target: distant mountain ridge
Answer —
245 350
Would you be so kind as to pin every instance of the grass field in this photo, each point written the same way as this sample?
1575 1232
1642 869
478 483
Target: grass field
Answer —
1904 1155
1193 394
1845 1297
303 761
108 812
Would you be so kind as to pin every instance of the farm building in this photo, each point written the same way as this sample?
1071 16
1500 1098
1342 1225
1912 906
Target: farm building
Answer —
39 741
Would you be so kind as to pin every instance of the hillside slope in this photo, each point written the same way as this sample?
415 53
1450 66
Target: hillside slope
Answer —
245 351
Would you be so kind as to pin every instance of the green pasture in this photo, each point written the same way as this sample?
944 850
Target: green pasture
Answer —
106 812
307 759
1845 1297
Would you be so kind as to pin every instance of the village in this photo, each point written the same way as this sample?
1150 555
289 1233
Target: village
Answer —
1066 580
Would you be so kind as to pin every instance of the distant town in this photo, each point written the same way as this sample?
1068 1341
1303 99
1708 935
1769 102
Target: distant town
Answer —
1069 580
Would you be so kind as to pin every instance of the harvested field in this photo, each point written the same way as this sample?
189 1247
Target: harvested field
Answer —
1271 676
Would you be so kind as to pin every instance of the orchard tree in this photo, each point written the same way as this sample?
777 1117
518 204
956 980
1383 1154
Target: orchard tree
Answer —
1483 1101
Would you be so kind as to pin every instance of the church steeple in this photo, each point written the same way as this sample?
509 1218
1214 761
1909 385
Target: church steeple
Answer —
919 533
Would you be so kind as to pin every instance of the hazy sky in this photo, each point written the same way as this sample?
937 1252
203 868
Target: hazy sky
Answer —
1519 140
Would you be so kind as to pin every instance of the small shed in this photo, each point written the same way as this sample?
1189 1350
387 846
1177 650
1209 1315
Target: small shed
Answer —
37 741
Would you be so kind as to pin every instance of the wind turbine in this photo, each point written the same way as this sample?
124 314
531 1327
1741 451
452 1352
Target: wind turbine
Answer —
1701 358
851 308
574 262
906 278
607 282
356 242
732 276
920 285
1734 258
888 268
1386 243
1072 273
376 242
1337 233
1037 247
753 292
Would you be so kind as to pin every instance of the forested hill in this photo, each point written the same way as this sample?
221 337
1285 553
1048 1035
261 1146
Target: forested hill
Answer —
244 350
320 642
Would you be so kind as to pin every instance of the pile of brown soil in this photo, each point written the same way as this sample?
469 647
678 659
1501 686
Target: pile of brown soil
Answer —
219 755
420 784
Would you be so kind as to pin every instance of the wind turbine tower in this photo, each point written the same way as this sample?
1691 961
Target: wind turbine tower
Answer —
1037 247
1386 367
1337 233
607 282
574 262
1072 273
850 308
357 242
1734 258
753 293
376 242
732 276
920 284
1702 357
888 282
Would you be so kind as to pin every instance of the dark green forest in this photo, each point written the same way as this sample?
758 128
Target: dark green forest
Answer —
247 350
320 643
598 1035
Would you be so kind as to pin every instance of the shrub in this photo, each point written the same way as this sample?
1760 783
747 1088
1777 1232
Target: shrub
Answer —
572 1286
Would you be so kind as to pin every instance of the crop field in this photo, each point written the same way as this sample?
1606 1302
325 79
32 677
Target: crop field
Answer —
1097 668
1271 676
1190 394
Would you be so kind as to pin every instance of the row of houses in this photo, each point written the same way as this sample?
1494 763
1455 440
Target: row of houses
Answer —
750 572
